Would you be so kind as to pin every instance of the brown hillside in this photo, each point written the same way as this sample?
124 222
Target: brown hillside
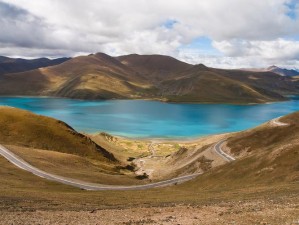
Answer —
266 154
203 84
22 128
99 76
95 76
263 80
154 67
267 137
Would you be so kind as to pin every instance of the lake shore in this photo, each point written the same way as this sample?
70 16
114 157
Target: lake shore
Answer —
152 120
186 140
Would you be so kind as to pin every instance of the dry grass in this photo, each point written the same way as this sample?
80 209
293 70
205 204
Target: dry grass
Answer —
22 128
138 148
272 152
76 167
23 191
166 158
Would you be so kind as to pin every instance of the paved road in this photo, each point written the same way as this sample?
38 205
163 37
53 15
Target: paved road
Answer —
277 123
11 157
218 150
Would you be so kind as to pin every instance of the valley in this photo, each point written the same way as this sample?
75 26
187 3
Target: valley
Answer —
221 189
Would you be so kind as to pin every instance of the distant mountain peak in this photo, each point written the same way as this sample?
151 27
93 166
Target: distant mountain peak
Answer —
17 65
282 71
201 66
102 54
273 67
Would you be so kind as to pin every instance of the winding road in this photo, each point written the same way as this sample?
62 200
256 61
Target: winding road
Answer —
17 161
227 157
278 123
218 150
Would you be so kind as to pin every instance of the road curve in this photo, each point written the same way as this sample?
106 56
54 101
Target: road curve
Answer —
278 123
17 161
218 150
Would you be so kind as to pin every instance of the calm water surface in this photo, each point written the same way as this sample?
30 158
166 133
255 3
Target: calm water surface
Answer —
137 118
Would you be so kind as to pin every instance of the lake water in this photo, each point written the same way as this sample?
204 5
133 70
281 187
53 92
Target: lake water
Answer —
137 118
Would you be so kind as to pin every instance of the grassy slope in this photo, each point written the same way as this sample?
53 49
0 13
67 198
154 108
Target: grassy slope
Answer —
25 83
154 67
270 159
203 84
96 76
76 167
23 193
53 146
266 81
22 128
124 150
269 153
178 81
22 189
19 188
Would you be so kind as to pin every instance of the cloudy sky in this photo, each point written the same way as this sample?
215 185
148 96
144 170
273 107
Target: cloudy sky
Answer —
218 33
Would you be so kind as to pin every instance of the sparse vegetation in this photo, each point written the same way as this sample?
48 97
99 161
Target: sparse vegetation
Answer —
22 128
142 177
130 167
130 159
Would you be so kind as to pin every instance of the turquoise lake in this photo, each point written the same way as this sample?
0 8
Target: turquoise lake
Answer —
138 118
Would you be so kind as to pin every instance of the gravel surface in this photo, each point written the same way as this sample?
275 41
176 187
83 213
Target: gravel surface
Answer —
256 212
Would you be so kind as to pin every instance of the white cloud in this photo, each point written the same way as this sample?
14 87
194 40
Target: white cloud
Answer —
242 53
238 28
261 56
279 49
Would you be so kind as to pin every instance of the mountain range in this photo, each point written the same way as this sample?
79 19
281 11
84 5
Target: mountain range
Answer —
283 72
16 65
157 77
277 70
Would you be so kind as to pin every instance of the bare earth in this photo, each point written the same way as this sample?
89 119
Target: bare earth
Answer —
256 212
164 158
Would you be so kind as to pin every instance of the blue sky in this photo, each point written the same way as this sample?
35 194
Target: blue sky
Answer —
292 5
218 33
169 23
203 45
